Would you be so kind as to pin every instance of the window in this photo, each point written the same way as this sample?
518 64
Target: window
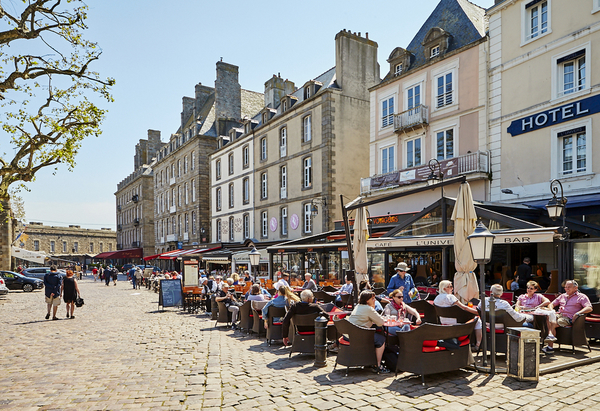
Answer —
193 223
173 170
178 168
536 19
596 6
284 106
179 227
413 153
231 230
193 190
307 129
573 151
185 165
187 223
218 231
246 156
413 97
283 142
193 160
444 94
91 247
307 174
218 199
36 245
110 246
387 112
263 148
387 160
307 219
64 247
173 226
572 73
284 221
445 144
185 192
179 196
265 118
263 186
230 157
306 92
101 247
231 195
246 190
435 51
264 224
75 247
52 247
283 181
218 169
246 220
398 69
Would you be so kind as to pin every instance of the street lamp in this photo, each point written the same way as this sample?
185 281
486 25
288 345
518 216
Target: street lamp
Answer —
314 210
557 206
254 256
434 178
481 242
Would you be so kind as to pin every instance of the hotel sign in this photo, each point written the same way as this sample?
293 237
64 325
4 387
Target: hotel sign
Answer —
555 116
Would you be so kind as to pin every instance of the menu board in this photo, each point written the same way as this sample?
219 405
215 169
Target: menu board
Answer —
170 294
190 273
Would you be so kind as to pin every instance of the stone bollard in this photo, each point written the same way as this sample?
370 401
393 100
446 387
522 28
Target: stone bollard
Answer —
321 341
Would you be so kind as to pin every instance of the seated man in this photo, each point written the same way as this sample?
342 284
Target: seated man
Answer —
496 290
231 303
305 306
345 289
309 283
571 304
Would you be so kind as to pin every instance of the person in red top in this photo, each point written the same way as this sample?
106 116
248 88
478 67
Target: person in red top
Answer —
571 304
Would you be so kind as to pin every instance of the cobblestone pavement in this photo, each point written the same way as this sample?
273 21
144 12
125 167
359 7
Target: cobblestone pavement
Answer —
120 352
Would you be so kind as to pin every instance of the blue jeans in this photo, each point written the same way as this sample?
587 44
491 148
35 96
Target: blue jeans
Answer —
394 330
133 281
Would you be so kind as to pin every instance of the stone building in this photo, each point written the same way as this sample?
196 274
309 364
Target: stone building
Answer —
135 199
71 243
181 173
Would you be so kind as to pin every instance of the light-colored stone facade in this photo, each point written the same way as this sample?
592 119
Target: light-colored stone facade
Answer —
70 243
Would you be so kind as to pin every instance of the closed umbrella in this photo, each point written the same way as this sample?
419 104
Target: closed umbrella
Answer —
465 219
359 246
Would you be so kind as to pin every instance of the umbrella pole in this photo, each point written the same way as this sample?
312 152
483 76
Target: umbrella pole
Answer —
483 324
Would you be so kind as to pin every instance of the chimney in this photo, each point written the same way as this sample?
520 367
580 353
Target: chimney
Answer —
228 93
188 106
275 89
203 93
356 66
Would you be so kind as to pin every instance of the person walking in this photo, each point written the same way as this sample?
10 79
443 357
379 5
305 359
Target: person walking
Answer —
52 287
107 275
70 291
114 273
137 278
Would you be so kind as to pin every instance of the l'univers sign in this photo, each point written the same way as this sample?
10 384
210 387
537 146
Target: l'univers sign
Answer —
555 116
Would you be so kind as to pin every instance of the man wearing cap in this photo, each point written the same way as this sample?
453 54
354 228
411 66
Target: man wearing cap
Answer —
282 281
52 290
402 279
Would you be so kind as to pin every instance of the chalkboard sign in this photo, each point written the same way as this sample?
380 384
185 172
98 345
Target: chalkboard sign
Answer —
170 294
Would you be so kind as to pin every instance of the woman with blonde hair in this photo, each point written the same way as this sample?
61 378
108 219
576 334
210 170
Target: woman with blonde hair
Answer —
70 291
236 278
289 295
446 299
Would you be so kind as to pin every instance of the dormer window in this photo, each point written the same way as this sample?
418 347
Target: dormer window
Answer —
306 93
284 106
435 51
265 118
232 135
398 69
399 60
247 128
436 42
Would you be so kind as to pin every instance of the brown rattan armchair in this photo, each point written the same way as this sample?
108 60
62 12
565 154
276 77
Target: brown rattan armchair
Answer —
223 316
501 317
329 289
574 334
258 325
426 311
275 325
246 316
304 337
323 297
455 312
359 350
592 322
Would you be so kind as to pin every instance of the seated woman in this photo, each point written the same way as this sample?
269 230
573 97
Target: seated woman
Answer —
255 294
364 285
285 298
446 299
364 315
397 308
532 301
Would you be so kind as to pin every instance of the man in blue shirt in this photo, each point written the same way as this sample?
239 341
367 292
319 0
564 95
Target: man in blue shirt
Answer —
402 279
52 286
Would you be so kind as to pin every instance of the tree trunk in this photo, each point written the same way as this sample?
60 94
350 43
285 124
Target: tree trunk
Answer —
6 234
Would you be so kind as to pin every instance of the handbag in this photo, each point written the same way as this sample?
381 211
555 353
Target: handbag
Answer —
79 301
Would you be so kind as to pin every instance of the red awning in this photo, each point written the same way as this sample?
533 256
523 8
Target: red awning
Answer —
130 253
172 255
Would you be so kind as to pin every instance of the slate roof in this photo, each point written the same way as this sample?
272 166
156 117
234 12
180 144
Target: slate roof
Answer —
464 20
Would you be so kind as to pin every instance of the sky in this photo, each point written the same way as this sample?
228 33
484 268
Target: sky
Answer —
158 51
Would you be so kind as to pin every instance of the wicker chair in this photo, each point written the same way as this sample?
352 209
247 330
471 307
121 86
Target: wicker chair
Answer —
455 312
322 296
246 316
329 289
592 322
501 317
574 334
258 326
214 308
223 316
359 351
304 340
275 328
426 310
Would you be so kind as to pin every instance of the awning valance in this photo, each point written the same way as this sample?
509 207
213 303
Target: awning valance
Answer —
113 255
174 254
243 257
28 255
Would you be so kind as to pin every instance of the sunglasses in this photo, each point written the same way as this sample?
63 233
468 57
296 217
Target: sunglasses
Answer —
399 297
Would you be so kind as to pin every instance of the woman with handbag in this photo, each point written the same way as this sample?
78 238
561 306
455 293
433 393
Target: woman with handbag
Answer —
70 292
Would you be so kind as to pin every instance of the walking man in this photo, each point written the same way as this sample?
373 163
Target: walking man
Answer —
52 287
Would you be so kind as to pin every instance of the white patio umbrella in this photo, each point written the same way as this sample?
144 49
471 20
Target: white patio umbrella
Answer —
465 219
359 245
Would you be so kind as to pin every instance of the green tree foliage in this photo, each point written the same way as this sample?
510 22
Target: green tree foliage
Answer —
46 87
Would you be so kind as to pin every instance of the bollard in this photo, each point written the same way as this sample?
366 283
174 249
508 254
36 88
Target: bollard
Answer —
493 335
321 341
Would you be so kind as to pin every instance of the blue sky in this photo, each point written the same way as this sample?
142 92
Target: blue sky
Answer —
157 51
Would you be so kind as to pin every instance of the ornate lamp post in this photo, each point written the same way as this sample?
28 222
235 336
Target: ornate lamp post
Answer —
481 242
557 207
434 178
254 261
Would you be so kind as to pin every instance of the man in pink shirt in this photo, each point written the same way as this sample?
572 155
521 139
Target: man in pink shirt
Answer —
572 304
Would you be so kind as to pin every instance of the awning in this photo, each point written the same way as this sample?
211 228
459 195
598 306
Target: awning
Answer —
243 257
285 247
130 253
586 200
174 254
28 255
216 260
522 236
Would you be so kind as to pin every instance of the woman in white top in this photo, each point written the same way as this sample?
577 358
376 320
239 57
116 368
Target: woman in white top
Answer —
446 299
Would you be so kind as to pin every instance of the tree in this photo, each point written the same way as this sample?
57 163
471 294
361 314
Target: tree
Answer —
46 88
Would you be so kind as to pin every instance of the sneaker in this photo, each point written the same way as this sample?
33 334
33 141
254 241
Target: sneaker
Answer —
67 315
47 316
550 337
333 347
72 317
548 350
55 318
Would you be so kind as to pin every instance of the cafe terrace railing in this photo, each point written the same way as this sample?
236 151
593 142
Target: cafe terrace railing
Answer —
470 163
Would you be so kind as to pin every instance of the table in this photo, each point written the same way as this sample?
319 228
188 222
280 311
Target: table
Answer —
392 339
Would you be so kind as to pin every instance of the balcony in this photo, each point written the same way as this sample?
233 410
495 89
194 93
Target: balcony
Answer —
186 236
171 237
172 209
283 193
411 119
471 163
